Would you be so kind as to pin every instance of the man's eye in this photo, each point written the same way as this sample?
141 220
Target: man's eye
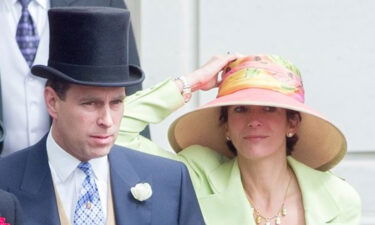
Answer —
269 109
117 102
88 103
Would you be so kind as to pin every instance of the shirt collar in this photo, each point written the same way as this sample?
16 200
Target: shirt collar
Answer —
65 164
43 3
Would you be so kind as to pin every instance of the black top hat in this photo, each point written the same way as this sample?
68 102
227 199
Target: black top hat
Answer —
89 46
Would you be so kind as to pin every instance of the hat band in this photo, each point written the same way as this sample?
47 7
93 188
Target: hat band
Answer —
89 73
257 78
266 67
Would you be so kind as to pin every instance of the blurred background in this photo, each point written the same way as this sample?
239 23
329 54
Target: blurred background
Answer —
330 41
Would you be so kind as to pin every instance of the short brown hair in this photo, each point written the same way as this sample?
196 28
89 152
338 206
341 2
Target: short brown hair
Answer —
59 86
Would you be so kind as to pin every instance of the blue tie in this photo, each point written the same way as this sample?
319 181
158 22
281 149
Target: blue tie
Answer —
88 210
26 36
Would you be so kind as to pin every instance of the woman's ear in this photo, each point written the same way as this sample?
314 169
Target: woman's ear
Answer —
51 100
226 130
294 123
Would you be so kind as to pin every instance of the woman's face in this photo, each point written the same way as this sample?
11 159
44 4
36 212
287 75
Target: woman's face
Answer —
259 131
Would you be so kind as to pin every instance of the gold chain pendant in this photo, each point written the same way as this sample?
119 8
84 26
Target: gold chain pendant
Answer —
258 219
278 220
283 211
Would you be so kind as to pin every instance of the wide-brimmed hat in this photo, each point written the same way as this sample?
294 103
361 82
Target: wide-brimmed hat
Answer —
265 80
89 46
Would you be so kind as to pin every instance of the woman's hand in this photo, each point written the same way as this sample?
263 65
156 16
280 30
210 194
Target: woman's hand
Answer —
206 77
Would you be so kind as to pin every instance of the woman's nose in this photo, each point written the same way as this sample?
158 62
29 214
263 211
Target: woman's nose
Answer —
254 123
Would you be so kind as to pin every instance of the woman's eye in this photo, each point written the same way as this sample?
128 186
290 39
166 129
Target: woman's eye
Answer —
269 109
240 109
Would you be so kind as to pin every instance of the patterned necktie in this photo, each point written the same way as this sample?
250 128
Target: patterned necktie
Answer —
26 36
88 209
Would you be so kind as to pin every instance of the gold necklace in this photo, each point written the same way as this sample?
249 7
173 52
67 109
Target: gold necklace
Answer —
281 213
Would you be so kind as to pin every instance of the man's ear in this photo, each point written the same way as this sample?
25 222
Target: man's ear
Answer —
52 101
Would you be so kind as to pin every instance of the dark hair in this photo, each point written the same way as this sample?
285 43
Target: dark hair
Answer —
290 141
59 86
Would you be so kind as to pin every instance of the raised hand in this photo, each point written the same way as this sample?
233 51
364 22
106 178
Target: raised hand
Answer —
206 77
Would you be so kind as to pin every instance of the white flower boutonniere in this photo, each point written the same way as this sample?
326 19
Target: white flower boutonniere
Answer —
141 191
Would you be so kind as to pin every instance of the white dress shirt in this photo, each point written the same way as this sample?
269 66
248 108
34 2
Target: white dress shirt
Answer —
24 113
68 179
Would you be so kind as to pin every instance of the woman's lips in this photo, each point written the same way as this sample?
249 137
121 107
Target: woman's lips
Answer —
255 137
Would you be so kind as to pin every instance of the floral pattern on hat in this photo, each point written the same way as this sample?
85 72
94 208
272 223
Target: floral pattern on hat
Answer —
270 72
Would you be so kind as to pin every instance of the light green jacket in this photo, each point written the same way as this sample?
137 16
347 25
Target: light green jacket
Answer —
327 199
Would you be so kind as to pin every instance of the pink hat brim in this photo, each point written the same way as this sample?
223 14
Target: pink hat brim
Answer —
321 144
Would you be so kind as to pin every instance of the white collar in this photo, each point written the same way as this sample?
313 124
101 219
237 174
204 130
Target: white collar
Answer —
64 164
43 3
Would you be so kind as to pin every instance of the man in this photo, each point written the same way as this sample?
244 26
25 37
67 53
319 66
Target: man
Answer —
26 122
10 210
75 175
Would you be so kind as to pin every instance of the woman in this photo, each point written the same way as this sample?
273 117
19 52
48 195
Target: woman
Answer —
256 154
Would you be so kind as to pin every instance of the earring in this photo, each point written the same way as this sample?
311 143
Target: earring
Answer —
290 134
228 138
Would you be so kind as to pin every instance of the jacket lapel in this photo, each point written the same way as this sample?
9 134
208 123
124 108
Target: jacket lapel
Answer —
37 188
229 199
319 206
123 176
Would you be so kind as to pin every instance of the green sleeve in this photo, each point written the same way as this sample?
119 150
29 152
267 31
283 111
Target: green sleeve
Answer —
146 107
153 106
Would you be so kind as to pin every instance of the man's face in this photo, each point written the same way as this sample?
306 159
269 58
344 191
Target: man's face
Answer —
86 122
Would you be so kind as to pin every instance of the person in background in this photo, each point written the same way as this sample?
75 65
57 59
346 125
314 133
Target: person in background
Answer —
24 42
257 154
75 175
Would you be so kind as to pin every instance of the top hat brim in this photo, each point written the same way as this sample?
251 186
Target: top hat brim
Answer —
110 76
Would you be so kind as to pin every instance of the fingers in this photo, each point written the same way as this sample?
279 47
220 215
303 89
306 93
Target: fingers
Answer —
206 77
216 64
219 61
